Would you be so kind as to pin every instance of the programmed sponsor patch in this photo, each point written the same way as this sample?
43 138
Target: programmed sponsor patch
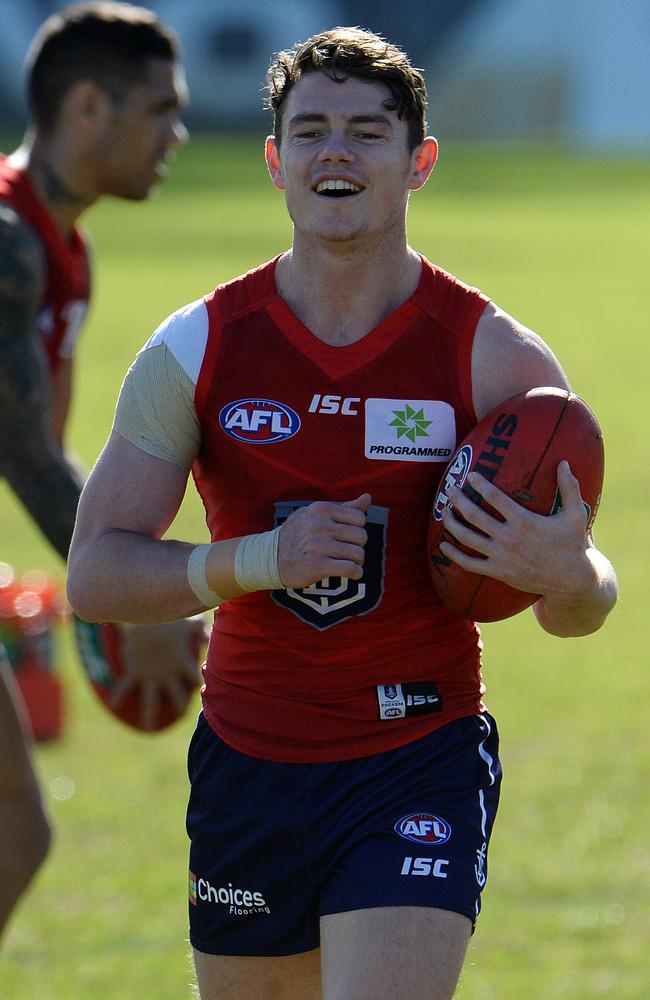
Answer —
409 430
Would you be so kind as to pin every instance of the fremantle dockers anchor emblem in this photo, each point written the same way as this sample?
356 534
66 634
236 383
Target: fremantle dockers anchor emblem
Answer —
336 598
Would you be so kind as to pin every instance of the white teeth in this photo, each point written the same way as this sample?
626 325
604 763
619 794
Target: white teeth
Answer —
337 185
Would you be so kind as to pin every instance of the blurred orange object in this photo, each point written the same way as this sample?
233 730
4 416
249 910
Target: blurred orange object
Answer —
30 608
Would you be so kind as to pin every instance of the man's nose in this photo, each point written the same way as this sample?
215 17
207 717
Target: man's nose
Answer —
336 148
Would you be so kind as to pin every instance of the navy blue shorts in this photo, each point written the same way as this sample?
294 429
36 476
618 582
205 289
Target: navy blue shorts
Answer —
276 846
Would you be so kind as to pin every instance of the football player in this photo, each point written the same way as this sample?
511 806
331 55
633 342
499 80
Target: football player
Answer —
105 89
345 770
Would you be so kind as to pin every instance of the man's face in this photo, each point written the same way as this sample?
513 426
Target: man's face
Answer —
141 131
343 160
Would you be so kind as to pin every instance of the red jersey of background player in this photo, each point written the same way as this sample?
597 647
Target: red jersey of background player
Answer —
67 290
342 668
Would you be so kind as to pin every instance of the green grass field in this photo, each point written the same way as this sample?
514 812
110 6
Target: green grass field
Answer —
562 242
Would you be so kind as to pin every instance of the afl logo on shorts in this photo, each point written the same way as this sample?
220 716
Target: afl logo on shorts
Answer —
423 828
259 421
455 475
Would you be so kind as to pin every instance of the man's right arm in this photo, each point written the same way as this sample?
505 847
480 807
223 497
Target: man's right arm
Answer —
30 459
122 569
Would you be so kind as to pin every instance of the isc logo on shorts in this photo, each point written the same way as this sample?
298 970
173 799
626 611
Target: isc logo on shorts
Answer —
423 828
425 866
259 421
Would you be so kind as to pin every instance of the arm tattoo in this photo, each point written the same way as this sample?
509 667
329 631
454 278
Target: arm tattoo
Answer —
30 459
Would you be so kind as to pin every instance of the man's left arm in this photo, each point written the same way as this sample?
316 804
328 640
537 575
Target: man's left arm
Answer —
552 556
584 611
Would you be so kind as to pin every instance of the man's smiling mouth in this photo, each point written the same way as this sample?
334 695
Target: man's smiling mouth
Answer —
337 188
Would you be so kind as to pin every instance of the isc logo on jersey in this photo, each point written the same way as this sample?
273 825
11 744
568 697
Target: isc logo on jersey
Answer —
423 828
259 421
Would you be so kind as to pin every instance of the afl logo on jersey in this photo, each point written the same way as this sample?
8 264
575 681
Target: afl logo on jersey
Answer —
259 421
423 828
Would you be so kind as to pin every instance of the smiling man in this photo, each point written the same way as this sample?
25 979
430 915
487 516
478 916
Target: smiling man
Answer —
345 772
105 90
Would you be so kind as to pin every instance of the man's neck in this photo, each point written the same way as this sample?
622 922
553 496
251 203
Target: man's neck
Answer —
341 296
51 179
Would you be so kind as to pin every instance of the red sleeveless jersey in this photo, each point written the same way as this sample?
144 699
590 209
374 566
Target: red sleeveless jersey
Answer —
67 281
343 668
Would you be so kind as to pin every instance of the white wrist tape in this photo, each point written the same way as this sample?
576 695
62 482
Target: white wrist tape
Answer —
256 562
197 579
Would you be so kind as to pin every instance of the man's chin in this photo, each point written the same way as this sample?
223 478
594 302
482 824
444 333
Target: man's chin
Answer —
140 193
339 236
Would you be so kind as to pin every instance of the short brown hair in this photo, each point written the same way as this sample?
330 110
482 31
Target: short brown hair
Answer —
344 52
103 41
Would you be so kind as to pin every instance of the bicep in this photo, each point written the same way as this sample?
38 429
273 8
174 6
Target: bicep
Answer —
508 358
155 409
129 490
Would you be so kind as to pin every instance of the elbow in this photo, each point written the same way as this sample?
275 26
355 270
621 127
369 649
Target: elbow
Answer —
78 601
79 590
572 622
606 600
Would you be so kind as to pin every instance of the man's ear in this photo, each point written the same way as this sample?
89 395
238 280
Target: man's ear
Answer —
273 163
424 159
86 106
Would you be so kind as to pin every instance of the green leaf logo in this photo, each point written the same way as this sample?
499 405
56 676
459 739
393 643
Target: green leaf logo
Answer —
410 423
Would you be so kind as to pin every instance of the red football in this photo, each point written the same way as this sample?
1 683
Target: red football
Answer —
100 652
518 447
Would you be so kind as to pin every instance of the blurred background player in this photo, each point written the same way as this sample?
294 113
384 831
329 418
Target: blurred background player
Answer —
345 772
105 90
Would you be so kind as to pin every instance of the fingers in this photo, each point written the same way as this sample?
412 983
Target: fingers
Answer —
345 568
323 539
160 666
348 534
529 551
570 490
496 498
149 698
361 503
508 509
468 535
154 696
479 519
124 685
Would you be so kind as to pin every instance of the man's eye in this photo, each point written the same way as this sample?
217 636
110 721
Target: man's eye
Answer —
369 135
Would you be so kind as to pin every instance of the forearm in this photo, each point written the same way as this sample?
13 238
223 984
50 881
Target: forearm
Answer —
129 577
582 610
120 575
49 489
